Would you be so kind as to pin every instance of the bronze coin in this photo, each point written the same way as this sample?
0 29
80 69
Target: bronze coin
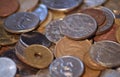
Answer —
118 35
95 13
8 7
70 47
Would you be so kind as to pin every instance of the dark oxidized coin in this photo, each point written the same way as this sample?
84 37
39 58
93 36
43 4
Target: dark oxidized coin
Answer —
21 22
78 26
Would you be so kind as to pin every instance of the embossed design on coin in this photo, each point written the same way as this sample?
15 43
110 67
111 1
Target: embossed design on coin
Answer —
78 26
21 22
66 66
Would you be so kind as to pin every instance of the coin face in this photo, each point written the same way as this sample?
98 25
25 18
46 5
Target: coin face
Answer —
43 73
8 7
62 5
105 53
117 35
53 31
21 22
66 66
7 65
78 26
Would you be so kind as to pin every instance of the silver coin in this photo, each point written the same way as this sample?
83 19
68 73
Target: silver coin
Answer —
43 73
62 5
66 66
41 11
21 22
78 26
110 16
7 67
106 53
53 31
92 3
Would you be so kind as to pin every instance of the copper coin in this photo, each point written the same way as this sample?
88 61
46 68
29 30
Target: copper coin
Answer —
110 35
105 53
8 7
70 47
27 5
78 26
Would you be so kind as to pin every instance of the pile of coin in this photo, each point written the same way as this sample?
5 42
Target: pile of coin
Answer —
58 38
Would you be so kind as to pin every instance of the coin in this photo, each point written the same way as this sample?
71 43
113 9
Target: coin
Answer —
8 7
21 22
41 11
43 73
66 66
53 31
70 47
105 53
8 67
97 14
27 5
78 26
117 35
62 5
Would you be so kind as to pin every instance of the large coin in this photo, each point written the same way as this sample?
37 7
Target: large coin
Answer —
66 66
62 5
8 67
70 47
117 35
8 7
21 22
53 31
78 26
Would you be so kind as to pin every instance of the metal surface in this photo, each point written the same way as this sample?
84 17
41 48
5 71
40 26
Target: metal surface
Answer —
117 35
43 73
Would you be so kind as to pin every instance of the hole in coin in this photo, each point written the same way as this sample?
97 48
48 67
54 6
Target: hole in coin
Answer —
38 55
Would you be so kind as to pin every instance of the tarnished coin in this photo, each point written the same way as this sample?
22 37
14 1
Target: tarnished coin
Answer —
97 14
43 73
8 7
117 35
105 53
41 11
108 23
66 47
53 30
8 67
78 26
62 5
27 5
66 66
21 22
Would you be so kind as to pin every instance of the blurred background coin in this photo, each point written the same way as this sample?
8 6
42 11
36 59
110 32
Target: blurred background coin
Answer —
43 73
117 35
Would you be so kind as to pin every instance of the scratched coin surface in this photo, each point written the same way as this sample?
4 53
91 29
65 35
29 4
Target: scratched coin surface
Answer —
8 67
43 73
66 66
105 53
21 22
78 26
62 5
117 35
53 31
70 47
8 7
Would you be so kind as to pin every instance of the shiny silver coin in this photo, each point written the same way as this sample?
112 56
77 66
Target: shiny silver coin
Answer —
7 67
53 31
110 73
62 5
110 16
41 11
43 73
78 26
106 53
66 66
21 22
92 3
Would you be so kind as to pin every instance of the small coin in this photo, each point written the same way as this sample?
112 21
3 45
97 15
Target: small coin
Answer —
97 14
70 47
62 5
78 26
8 7
118 35
8 67
53 31
27 5
105 53
66 66
21 22
43 73
41 11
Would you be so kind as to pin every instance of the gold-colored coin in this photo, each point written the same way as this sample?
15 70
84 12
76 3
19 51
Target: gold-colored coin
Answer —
117 21
68 47
118 35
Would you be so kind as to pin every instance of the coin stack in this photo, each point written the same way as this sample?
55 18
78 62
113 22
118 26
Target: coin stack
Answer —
59 38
